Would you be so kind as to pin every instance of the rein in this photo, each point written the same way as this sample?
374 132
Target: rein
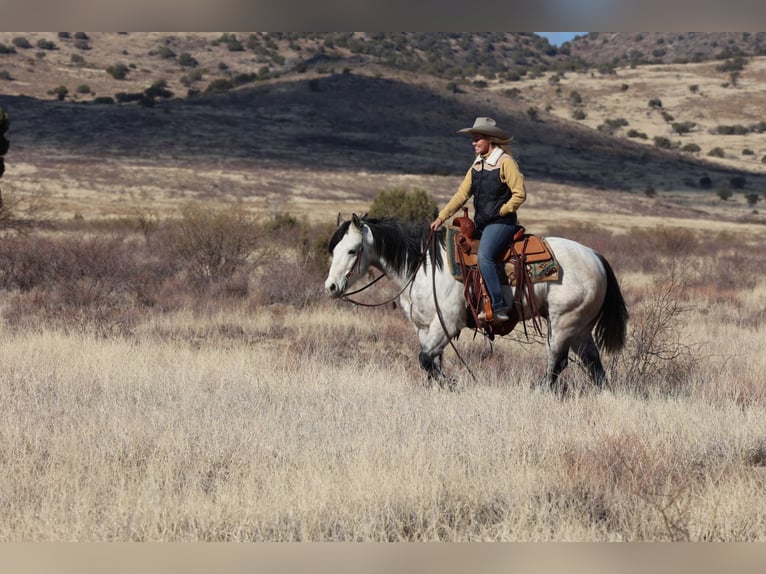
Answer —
430 244
358 263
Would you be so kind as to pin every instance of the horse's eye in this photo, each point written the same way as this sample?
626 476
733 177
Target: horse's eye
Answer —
352 252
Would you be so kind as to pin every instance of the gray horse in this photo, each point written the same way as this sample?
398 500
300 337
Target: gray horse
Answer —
585 301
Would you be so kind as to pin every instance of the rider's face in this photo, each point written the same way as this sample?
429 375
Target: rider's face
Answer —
481 144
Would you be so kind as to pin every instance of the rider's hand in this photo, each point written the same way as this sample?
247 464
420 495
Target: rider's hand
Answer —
436 224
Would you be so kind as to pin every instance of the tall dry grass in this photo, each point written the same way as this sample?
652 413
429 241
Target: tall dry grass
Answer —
231 414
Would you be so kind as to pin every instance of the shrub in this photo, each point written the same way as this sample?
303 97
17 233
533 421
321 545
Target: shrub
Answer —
416 206
212 244
159 89
655 103
706 182
579 114
187 60
752 198
60 92
21 42
738 182
219 85
683 127
724 194
716 152
691 148
44 44
655 356
166 53
663 142
637 134
118 71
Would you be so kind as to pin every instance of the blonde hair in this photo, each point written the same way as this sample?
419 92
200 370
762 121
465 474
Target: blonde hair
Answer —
503 144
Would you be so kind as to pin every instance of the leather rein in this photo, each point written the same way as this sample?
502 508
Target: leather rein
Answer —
430 244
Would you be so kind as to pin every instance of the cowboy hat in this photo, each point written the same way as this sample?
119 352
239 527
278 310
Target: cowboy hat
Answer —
487 127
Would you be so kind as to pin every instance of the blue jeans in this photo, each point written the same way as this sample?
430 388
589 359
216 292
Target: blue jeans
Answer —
495 238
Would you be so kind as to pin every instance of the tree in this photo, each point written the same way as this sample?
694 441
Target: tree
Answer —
5 123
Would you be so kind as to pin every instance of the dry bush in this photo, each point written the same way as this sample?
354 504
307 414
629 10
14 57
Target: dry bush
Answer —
212 243
656 357
69 282
622 482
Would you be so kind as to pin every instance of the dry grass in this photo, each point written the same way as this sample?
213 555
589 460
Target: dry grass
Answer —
260 427
247 421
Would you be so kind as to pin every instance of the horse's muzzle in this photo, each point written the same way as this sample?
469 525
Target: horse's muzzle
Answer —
333 289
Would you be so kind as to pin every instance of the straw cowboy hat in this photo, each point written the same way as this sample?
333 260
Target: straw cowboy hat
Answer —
487 127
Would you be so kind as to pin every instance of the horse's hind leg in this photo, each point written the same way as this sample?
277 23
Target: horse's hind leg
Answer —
558 357
587 350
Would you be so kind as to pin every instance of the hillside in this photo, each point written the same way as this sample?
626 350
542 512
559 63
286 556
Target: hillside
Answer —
639 48
244 112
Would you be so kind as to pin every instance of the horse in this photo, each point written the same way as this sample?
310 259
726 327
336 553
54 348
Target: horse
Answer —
584 301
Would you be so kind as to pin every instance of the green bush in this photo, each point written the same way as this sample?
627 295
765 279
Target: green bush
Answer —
21 42
44 44
118 71
691 148
219 85
187 60
724 194
60 92
716 152
416 206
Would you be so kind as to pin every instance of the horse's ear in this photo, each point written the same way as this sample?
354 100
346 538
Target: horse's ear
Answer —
356 221
340 219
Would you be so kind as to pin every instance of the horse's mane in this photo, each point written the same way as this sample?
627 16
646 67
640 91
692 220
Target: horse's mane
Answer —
399 242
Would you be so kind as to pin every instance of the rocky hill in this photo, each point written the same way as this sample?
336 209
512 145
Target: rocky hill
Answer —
385 103
640 48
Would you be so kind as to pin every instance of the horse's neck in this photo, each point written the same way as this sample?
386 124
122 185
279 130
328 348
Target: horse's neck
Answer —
398 277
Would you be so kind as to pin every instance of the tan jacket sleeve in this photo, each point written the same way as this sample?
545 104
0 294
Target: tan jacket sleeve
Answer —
462 195
513 178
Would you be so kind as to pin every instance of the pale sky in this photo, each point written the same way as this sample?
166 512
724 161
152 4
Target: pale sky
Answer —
558 38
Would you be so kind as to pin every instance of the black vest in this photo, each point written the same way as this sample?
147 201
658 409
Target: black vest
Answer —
489 194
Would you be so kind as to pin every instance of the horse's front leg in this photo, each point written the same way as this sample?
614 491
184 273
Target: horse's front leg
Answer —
433 340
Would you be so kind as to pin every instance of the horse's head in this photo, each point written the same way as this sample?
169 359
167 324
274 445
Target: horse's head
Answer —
350 247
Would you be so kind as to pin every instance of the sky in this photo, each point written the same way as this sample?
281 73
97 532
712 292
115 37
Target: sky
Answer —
558 38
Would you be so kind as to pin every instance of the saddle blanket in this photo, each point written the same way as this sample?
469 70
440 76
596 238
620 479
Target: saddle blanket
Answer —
541 262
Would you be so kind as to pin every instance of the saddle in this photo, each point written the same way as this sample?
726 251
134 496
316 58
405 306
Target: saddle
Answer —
527 260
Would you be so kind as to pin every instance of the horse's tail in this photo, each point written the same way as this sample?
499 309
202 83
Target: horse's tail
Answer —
611 325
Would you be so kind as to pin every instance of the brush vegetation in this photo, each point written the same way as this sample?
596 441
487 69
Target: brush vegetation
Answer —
155 395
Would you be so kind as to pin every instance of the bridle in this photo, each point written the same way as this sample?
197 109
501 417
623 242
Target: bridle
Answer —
357 266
